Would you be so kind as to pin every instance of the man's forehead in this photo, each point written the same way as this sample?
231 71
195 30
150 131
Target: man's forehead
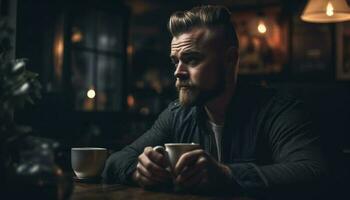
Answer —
196 38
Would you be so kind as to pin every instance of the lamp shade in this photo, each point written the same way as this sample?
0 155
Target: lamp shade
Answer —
326 11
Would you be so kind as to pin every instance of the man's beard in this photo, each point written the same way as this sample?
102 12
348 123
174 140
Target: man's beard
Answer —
191 95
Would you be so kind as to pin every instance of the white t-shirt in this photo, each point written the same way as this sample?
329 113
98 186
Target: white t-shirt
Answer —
216 130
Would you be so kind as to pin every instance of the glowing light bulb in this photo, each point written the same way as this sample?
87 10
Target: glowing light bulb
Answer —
130 101
91 94
262 28
330 9
77 35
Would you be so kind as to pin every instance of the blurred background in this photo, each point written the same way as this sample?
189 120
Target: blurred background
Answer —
106 74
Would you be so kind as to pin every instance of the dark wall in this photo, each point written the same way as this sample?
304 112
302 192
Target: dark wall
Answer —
326 97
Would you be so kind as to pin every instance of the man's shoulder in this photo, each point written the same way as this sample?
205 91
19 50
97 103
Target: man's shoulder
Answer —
270 98
276 100
271 94
284 97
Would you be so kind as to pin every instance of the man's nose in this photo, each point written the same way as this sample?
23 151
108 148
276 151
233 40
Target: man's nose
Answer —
181 71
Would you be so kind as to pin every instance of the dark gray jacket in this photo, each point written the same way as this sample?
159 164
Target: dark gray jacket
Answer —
268 142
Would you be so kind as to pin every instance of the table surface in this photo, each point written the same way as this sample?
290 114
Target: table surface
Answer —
87 191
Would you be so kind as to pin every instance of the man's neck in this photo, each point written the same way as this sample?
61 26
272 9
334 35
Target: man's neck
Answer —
217 107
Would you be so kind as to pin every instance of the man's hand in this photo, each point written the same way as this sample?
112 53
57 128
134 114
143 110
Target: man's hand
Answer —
150 170
198 170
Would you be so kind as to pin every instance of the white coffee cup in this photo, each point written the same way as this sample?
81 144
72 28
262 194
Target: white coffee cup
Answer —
175 150
88 162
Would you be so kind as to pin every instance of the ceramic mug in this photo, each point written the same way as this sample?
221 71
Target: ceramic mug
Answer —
174 151
88 162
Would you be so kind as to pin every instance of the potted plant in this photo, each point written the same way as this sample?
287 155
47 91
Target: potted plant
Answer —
27 163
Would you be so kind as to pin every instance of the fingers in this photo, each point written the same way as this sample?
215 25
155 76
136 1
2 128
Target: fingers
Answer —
188 172
194 181
150 173
143 181
188 159
155 155
204 181
149 168
147 174
193 169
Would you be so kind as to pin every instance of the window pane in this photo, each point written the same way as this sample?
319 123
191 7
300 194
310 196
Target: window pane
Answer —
83 30
83 79
109 35
109 83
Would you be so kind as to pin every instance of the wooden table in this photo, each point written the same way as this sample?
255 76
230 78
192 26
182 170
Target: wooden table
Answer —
85 191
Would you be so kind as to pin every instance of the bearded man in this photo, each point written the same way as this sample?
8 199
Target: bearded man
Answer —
254 140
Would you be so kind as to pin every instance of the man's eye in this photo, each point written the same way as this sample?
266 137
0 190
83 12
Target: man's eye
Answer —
192 61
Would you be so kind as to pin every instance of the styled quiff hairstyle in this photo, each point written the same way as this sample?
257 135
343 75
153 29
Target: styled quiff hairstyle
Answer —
212 17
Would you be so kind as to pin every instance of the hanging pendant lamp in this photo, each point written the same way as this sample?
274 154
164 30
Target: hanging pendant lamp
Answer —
326 11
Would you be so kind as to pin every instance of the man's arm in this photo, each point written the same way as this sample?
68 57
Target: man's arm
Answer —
295 152
120 165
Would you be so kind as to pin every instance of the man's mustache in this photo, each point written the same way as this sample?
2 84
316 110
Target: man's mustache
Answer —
183 84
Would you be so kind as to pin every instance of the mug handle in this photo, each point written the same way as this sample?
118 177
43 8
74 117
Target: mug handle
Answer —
161 149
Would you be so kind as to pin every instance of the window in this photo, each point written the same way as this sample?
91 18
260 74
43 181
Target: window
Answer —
97 60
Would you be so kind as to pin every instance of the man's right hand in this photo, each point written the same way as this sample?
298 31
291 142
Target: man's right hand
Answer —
151 169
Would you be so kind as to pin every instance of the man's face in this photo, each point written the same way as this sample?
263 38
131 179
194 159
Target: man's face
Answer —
200 66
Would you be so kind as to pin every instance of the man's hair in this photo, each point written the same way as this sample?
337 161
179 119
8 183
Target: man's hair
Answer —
211 17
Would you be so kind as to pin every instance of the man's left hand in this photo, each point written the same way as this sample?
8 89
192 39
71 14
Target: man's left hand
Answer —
198 170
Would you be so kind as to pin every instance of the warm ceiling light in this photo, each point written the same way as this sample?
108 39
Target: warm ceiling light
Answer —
130 101
91 93
77 36
262 27
326 11
330 9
